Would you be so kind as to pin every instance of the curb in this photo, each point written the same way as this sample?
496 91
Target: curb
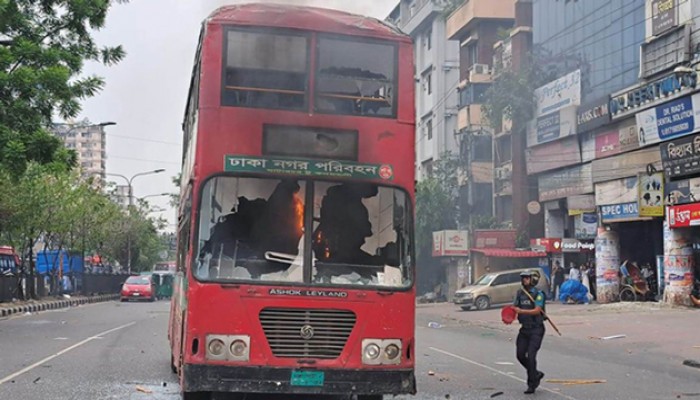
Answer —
56 304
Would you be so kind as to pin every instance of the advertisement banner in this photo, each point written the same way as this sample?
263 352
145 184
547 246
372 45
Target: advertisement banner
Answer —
580 204
586 226
684 215
670 120
625 165
563 92
620 212
553 155
593 114
681 157
651 194
607 144
684 191
576 246
607 260
617 192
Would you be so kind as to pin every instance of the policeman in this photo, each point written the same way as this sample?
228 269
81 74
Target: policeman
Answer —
530 316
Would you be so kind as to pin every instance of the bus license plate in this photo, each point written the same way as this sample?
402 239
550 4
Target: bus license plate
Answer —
307 378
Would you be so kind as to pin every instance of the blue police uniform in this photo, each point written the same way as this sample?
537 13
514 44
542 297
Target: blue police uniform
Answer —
530 335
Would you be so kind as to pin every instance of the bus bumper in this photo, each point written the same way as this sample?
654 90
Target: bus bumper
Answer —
218 378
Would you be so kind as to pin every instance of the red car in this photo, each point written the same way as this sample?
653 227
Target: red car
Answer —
138 288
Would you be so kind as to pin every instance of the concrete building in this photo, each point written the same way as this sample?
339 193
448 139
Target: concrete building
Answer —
477 25
437 77
90 144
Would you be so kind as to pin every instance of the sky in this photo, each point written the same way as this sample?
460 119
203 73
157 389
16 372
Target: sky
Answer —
145 94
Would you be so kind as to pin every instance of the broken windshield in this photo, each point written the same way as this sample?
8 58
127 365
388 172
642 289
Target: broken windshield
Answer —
254 229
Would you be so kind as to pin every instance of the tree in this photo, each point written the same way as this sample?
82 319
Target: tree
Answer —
44 46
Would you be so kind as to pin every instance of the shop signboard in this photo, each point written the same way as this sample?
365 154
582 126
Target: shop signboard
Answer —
494 238
547 245
450 243
586 225
651 94
684 215
587 147
553 155
617 192
625 165
681 157
669 120
564 183
622 139
580 204
620 212
576 246
553 126
563 92
593 114
664 16
683 191
651 194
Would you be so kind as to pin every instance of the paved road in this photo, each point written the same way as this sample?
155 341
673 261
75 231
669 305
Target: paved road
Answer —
108 350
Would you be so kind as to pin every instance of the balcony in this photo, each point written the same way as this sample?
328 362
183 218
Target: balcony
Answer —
462 20
469 118
418 14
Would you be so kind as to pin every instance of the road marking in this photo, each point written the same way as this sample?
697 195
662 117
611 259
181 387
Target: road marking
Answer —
478 364
64 351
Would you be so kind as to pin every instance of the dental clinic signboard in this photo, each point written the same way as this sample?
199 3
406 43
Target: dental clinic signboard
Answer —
668 121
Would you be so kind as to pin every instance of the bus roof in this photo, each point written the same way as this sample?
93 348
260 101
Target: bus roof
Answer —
306 18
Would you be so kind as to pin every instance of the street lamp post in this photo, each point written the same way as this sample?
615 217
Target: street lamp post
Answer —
129 181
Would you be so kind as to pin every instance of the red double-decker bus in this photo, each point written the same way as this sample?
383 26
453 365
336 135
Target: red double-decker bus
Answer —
295 239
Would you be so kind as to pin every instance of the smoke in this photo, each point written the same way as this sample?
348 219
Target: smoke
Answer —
363 7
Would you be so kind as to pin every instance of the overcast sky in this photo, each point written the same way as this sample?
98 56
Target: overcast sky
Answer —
145 94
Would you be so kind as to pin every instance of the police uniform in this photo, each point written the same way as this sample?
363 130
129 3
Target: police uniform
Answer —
531 333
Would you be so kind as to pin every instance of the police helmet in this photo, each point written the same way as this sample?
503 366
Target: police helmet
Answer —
533 275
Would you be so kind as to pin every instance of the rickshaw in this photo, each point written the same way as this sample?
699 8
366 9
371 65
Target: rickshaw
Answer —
634 287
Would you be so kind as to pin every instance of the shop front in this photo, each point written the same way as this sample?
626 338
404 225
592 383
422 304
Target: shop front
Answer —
494 250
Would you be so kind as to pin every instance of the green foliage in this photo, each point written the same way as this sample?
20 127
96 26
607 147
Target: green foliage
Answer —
44 45
451 6
436 204
484 222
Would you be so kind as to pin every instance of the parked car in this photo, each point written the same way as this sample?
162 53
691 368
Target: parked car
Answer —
495 288
138 288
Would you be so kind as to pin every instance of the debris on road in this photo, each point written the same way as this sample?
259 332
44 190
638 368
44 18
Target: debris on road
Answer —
36 380
691 363
504 363
613 337
576 381
143 390
431 373
434 325
496 394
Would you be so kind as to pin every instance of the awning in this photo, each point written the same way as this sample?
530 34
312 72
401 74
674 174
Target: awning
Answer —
510 253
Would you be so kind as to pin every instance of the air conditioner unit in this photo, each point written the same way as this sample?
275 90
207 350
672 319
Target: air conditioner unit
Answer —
482 69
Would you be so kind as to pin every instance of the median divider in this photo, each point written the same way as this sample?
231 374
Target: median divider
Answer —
8 309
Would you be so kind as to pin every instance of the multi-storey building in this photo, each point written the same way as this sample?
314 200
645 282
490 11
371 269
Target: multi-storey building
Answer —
477 25
89 143
437 77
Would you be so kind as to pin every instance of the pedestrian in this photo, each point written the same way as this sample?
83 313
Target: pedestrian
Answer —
558 279
530 305
574 273
592 279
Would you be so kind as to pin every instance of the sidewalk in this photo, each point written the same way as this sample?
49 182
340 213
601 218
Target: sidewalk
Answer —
672 330
21 307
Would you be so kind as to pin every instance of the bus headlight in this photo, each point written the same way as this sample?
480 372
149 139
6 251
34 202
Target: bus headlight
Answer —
381 351
372 351
216 348
228 347
392 351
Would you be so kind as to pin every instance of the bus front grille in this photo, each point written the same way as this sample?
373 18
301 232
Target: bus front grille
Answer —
307 333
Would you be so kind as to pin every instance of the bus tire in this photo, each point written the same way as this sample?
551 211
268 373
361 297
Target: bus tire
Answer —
196 396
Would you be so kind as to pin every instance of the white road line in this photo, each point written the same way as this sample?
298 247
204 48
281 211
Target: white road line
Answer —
478 364
64 351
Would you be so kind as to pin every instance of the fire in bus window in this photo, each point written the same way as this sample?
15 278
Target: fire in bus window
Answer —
265 70
251 229
356 77
361 235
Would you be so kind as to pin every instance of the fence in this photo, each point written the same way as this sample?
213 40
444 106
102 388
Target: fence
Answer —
45 285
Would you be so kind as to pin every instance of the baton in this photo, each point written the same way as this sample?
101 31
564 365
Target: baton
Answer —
543 313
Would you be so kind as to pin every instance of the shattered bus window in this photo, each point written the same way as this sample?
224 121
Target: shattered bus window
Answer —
251 229
265 70
355 78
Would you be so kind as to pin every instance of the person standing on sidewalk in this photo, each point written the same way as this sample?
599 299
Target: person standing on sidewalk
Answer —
557 280
530 306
